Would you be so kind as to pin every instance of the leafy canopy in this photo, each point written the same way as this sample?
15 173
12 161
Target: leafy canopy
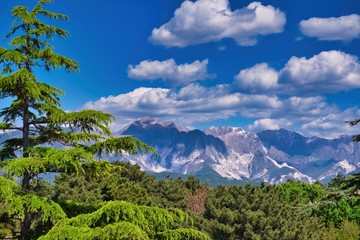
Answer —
123 220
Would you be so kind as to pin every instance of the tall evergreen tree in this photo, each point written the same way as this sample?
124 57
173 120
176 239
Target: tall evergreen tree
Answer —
36 105
356 138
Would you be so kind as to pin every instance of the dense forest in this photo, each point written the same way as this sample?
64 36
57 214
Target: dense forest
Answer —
92 198
130 204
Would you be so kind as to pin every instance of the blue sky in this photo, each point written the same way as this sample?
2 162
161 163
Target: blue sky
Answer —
257 65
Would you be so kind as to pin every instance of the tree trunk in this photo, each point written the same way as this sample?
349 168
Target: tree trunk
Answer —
25 227
25 185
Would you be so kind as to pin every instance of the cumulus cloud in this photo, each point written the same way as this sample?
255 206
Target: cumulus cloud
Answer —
344 28
260 77
294 109
332 125
195 104
329 71
188 105
304 109
311 116
212 20
170 72
268 124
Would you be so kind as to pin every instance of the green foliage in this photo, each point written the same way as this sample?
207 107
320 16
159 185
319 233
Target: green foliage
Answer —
341 202
349 184
128 183
49 210
334 211
252 212
182 234
121 230
170 193
10 199
292 210
43 122
213 227
337 182
89 190
303 192
38 105
80 193
117 145
356 138
348 231
44 160
15 205
119 219
4 126
249 212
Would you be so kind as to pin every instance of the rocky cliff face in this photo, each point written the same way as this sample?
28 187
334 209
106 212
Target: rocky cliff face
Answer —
271 156
319 158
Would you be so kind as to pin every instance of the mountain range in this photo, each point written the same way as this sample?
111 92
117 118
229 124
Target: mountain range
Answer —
273 156
233 155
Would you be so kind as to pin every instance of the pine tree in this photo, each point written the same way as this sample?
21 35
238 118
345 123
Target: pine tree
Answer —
123 220
356 138
43 121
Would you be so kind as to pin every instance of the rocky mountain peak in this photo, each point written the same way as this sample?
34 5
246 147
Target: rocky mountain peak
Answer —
224 130
148 122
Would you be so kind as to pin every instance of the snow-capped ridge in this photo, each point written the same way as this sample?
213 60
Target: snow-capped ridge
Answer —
224 130
273 156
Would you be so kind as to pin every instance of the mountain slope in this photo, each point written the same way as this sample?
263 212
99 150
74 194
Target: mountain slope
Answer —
230 152
320 158
259 166
272 156
180 151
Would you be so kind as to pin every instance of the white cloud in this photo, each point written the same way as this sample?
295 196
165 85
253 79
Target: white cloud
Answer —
268 124
195 104
189 105
329 71
205 21
294 109
257 78
304 109
332 125
310 116
170 72
343 28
